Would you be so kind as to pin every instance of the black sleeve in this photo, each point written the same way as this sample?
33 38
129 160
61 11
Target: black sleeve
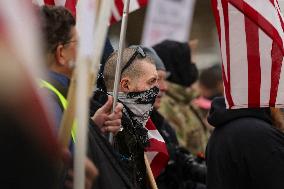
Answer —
98 99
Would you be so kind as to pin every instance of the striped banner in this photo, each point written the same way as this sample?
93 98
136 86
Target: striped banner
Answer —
251 40
117 9
157 152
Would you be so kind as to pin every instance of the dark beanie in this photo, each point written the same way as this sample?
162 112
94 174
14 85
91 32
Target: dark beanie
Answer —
177 59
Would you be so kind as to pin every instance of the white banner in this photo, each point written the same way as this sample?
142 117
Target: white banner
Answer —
168 19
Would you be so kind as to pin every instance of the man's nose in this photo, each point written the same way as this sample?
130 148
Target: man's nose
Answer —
163 86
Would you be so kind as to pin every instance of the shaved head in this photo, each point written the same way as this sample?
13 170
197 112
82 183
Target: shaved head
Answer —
133 71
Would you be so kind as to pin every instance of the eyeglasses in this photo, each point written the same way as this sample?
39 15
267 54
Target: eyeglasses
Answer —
138 51
68 42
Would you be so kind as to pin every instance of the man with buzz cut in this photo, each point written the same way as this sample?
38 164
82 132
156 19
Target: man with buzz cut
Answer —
137 92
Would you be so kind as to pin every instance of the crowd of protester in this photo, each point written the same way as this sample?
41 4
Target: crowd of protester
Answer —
245 150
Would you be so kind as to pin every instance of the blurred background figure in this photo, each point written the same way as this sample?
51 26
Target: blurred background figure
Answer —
176 106
30 153
210 82
208 86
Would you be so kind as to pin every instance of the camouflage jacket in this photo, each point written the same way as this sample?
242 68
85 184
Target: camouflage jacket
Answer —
186 119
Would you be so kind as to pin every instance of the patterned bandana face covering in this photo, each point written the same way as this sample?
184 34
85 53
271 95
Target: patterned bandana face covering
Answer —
140 104
138 107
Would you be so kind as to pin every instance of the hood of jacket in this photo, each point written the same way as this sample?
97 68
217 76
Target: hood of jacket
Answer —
219 115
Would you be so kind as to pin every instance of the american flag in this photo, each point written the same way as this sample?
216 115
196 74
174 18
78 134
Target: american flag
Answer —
70 4
117 9
157 152
251 39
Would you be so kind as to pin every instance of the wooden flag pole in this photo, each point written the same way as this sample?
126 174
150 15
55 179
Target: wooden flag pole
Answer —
150 175
87 72
99 40
120 57
68 115
100 35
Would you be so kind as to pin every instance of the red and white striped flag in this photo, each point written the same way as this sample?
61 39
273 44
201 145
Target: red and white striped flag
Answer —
69 4
117 9
157 152
251 39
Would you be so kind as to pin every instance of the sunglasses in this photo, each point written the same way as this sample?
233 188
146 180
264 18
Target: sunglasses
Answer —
138 51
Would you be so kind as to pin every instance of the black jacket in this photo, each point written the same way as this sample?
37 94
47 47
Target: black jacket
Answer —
112 174
245 151
129 151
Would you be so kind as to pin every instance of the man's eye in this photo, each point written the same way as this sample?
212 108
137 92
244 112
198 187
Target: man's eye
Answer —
152 81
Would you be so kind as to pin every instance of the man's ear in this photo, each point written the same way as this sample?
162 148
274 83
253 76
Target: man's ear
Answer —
59 55
124 85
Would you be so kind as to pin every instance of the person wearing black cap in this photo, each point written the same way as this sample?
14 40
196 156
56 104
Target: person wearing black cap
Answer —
176 105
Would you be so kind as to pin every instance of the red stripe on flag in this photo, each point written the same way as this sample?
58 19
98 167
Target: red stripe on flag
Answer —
254 69
49 2
112 20
119 5
150 125
217 18
265 25
71 5
227 36
142 2
159 163
277 58
156 144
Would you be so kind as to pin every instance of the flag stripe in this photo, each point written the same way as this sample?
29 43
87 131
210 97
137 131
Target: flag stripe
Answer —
269 13
219 20
60 2
154 144
253 54
116 16
117 9
253 57
71 5
238 56
280 94
119 6
155 134
142 2
265 18
276 4
133 5
158 161
275 72
156 152
151 155
227 42
158 164
49 2
265 44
